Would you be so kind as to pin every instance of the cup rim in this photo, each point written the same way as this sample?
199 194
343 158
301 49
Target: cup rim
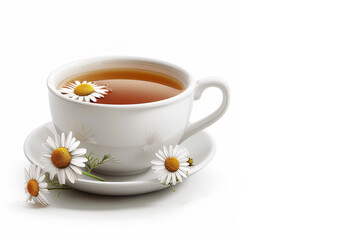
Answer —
188 89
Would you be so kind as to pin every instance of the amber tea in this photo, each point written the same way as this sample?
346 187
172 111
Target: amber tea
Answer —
130 86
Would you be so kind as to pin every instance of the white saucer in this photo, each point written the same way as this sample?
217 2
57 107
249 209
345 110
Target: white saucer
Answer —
201 147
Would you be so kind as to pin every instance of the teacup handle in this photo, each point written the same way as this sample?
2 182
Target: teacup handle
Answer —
201 85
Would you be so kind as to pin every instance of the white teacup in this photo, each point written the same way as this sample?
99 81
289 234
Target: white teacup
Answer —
130 133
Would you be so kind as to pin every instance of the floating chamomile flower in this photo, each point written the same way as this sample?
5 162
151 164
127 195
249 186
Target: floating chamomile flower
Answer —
63 157
34 185
171 165
84 92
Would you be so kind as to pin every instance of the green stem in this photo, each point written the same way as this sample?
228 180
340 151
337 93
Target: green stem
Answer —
93 176
59 188
172 187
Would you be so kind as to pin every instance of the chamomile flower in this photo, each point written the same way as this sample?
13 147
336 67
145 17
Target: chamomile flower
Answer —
63 157
171 165
84 92
35 188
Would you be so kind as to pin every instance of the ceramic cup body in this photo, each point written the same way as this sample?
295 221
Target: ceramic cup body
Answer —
130 133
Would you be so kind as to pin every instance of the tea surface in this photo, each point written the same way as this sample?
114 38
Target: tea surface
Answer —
131 86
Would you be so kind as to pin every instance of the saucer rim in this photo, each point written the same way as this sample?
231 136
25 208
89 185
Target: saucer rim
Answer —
193 170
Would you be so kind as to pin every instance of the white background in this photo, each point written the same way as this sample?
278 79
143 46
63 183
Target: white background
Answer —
288 162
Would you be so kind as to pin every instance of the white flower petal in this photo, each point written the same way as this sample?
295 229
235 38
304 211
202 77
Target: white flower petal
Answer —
79 159
185 169
168 178
70 174
42 184
76 163
184 164
170 151
101 90
157 171
61 176
72 141
162 154
69 95
52 171
97 95
157 162
158 167
183 160
165 151
65 90
160 157
27 197
51 143
75 169
91 97
47 147
182 154
44 190
73 146
173 178
163 177
36 200
27 177
42 199
62 140
79 152
179 177
103 87
175 150
69 139
41 178
77 82
182 173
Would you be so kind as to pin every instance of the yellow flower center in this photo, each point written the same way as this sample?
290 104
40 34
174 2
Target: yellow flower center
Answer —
83 89
33 187
61 157
172 164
